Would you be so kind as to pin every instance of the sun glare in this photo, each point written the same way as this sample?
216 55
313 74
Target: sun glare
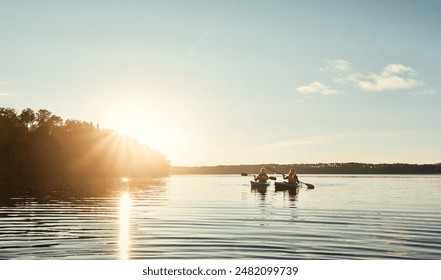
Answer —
151 127
124 226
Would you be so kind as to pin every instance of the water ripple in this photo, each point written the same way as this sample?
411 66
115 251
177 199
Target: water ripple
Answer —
193 217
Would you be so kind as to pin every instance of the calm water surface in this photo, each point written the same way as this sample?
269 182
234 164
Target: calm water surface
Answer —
196 217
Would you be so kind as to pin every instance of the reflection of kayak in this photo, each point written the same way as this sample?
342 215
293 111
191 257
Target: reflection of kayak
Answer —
259 185
281 186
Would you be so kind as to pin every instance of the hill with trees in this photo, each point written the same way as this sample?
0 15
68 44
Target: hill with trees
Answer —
319 168
40 146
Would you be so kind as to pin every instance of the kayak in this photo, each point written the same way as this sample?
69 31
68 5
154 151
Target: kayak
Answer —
281 186
259 185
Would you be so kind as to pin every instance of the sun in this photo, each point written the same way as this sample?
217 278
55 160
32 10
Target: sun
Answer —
158 129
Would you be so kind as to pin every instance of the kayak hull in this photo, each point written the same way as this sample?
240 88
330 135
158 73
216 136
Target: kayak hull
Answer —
282 186
259 185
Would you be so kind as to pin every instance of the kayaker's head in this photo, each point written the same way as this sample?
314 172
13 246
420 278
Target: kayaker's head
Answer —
292 171
262 170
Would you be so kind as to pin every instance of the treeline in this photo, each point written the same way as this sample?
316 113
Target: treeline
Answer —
40 146
319 168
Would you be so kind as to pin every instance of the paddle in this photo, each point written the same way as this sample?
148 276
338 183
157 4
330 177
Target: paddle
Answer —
310 186
269 177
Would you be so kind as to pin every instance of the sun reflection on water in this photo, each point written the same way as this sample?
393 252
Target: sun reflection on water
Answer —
124 226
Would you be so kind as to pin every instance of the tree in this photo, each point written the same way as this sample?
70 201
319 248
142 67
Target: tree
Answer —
40 146
28 118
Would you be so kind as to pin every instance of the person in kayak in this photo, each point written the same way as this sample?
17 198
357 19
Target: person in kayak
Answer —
262 177
292 177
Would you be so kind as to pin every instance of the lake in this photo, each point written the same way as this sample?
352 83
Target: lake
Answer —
221 216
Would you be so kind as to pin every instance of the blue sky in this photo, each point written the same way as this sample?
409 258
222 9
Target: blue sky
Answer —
235 82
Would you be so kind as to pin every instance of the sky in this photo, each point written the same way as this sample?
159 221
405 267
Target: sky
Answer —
235 82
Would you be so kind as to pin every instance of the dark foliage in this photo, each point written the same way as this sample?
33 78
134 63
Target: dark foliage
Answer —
39 146
319 168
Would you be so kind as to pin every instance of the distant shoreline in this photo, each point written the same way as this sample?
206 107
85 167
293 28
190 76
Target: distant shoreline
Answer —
318 168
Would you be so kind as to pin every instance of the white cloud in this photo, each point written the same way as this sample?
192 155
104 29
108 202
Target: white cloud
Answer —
313 140
337 65
4 93
393 77
7 94
342 70
397 68
352 77
424 92
315 87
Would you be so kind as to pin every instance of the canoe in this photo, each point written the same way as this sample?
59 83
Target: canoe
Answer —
282 186
259 185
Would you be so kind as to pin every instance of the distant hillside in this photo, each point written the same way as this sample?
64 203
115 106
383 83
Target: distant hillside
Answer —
319 168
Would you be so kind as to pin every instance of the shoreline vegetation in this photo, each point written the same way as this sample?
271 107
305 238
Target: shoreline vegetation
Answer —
40 149
40 152
318 168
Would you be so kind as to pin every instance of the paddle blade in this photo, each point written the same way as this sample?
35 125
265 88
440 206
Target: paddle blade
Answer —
244 174
310 186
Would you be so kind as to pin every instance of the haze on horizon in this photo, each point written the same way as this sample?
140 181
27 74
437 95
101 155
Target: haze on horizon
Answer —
235 82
